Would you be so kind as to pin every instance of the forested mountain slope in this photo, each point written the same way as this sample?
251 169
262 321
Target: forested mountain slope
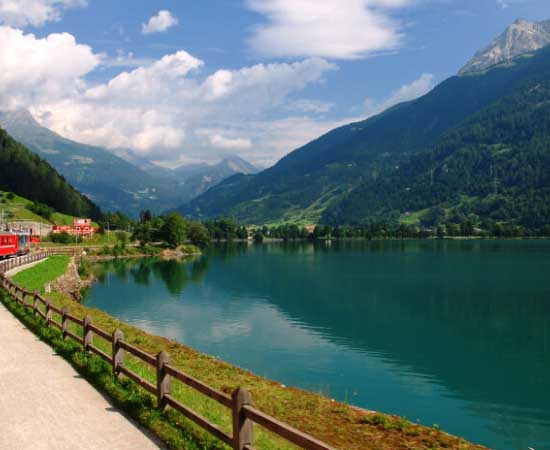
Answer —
28 175
495 166
311 181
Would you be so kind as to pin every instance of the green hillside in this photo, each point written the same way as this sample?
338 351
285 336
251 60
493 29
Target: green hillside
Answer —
495 166
28 175
16 208
318 180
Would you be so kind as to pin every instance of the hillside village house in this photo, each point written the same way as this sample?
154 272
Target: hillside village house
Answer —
81 227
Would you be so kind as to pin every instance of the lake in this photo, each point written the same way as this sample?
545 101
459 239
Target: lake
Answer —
454 333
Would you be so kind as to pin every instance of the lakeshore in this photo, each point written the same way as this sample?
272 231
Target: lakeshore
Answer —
305 410
390 326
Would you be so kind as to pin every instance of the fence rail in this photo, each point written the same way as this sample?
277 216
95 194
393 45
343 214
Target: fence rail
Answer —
243 413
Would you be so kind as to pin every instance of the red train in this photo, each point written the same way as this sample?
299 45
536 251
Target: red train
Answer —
14 244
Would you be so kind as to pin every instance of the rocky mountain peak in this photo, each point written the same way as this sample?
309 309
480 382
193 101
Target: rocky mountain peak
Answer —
519 38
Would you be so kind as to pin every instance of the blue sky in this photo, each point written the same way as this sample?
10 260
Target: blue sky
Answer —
251 77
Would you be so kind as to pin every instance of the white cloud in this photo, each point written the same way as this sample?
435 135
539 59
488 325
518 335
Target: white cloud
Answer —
345 29
158 110
407 92
159 23
230 144
169 110
273 139
34 71
35 12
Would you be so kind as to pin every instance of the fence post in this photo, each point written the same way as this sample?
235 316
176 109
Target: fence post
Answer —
164 385
48 313
88 334
65 321
242 427
35 303
118 353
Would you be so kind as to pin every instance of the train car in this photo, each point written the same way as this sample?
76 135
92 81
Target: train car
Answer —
23 243
9 244
14 244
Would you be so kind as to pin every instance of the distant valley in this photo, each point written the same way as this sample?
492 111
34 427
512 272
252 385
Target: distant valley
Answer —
112 182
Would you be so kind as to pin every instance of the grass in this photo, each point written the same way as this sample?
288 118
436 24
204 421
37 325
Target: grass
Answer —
16 209
36 277
107 238
412 218
336 423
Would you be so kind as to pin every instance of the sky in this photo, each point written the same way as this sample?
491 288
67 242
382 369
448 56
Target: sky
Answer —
182 81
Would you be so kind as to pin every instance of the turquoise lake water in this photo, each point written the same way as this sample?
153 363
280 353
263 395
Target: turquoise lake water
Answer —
454 333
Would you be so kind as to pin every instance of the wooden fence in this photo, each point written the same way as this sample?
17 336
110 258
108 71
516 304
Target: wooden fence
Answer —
12 263
244 414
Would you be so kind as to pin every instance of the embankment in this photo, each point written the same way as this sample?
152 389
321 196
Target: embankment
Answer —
336 423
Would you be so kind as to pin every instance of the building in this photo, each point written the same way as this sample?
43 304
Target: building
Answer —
81 227
310 228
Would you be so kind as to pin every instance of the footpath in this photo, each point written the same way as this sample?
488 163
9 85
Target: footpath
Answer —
46 405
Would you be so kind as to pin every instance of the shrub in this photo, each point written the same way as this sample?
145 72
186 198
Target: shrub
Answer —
84 269
41 210
60 238
198 234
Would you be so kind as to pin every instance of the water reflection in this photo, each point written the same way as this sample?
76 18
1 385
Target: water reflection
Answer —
454 333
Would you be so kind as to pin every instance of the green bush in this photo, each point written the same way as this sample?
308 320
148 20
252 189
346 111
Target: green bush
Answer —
84 269
41 210
61 238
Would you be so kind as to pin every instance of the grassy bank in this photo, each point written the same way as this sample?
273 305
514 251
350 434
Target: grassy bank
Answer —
44 272
336 423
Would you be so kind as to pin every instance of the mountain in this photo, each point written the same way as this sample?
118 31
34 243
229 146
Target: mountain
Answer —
127 183
198 178
108 180
310 183
494 167
226 167
519 38
28 175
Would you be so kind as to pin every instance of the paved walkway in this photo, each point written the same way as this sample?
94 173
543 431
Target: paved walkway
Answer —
45 405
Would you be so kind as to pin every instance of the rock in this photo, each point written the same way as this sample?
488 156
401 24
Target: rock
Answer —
519 38
70 283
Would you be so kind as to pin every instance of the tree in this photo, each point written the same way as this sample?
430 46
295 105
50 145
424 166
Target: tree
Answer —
258 236
143 233
145 216
122 238
174 230
466 228
198 234
61 238
41 209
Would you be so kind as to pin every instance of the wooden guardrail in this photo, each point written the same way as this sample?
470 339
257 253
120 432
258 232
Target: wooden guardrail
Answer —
12 263
244 414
